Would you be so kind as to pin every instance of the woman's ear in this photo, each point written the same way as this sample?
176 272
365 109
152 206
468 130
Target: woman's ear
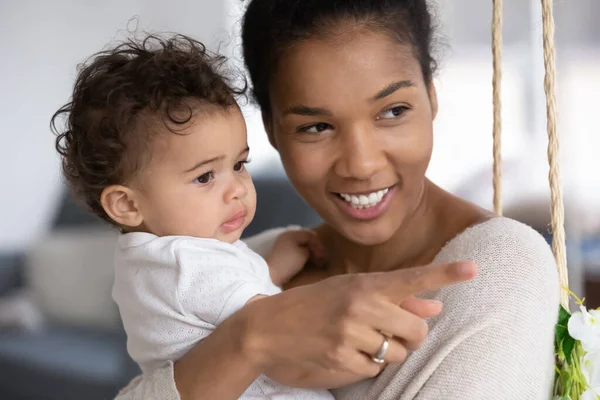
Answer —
268 123
433 100
120 203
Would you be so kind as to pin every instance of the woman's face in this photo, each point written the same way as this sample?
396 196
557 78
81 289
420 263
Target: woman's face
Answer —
352 121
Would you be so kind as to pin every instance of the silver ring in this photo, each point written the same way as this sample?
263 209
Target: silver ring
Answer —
378 358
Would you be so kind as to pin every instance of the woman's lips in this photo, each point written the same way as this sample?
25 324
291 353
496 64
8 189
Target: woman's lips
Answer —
367 212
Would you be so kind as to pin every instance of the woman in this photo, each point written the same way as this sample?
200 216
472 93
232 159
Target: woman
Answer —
346 93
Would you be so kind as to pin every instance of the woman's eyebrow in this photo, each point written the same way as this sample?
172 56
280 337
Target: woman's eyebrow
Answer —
391 88
317 112
307 111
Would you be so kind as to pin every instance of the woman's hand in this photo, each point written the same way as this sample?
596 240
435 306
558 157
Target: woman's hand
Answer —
336 325
319 335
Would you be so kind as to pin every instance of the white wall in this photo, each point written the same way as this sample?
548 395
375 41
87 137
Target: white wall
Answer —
42 41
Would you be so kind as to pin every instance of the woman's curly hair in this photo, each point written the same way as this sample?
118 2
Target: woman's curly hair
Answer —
117 92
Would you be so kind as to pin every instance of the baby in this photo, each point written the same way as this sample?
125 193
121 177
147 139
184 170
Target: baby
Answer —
156 145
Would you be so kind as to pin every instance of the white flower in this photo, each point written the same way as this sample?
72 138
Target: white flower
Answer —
590 368
584 326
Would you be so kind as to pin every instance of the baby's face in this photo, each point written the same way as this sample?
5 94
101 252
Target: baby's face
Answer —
196 182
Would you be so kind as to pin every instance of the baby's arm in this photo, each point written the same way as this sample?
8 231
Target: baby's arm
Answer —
290 253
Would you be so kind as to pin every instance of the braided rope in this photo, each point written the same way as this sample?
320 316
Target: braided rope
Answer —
496 84
557 207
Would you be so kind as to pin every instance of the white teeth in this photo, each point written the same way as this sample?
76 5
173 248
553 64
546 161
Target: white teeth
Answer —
366 200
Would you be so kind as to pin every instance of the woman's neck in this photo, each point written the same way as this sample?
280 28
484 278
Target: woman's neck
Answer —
438 217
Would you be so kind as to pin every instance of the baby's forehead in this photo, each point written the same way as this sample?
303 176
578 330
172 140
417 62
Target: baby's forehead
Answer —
206 135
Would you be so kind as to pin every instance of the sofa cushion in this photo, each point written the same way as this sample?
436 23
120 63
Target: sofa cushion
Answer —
70 276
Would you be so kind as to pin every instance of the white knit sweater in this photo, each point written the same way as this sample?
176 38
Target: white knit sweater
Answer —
493 341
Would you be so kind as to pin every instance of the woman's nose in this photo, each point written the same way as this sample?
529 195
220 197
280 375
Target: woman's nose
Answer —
361 156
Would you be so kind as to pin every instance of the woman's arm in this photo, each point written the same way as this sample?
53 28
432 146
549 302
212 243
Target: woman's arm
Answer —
513 308
222 367
506 360
328 325
495 338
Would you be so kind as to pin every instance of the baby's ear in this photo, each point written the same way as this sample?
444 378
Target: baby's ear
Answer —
119 202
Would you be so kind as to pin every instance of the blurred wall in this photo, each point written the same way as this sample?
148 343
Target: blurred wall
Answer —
42 42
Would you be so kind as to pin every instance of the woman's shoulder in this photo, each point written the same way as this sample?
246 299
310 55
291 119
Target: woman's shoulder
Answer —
500 237
514 261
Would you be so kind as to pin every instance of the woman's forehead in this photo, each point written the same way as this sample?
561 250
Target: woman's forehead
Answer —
360 65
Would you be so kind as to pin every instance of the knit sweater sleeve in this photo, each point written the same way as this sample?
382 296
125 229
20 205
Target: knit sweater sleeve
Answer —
494 339
502 324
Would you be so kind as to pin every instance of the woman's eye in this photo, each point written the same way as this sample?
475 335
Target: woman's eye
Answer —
205 178
240 165
315 128
393 112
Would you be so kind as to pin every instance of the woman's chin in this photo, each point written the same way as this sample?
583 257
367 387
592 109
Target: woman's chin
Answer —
366 235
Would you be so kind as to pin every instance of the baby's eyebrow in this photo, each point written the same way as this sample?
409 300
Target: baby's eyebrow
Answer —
204 162
214 159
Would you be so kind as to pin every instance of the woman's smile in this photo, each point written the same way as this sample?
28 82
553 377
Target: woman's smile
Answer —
365 205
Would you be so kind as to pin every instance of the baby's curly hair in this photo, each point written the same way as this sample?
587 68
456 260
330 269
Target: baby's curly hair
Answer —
117 92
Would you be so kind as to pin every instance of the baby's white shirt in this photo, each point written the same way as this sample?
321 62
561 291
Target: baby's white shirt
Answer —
172 292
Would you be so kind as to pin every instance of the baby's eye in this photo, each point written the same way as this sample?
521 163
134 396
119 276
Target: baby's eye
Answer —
205 178
393 112
315 128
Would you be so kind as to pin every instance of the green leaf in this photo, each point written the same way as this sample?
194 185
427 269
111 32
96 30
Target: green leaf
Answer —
566 381
563 316
561 332
568 344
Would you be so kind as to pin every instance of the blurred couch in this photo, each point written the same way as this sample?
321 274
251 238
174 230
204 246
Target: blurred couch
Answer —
80 350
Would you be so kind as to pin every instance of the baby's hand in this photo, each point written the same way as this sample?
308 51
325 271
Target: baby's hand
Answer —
290 253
